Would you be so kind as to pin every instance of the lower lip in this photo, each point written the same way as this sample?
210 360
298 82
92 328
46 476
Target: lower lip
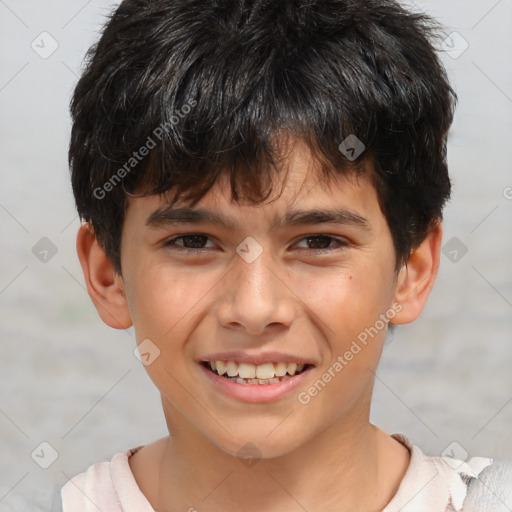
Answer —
255 393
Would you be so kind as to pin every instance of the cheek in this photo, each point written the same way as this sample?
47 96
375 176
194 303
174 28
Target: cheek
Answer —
354 333
164 303
161 298
346 301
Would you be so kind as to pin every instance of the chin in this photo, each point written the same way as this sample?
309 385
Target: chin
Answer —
259 442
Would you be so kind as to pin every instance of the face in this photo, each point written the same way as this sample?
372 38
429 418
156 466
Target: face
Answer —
295 300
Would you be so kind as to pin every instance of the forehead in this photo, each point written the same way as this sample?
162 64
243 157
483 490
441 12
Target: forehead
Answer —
299 186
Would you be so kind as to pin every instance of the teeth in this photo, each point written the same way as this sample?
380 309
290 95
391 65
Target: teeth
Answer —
280 369
232 369
265 371
263 374
292 368
247 371
221 367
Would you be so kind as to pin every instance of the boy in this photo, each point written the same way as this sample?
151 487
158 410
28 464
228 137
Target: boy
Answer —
263 185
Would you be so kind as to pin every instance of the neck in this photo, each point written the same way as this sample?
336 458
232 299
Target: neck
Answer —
340 465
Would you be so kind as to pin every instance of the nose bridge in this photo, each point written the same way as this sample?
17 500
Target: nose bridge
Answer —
255 281
255 296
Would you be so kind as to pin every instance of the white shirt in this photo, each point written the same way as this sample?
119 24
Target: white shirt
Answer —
430 484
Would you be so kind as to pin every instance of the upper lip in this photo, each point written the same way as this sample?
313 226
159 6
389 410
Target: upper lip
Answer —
257 359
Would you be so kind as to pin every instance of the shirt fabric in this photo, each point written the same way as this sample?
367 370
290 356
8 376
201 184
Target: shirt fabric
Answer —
430 484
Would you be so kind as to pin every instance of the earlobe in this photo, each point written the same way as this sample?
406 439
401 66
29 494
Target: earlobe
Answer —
105 286
416 279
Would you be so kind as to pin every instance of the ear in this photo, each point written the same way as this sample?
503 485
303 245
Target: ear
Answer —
416 278
104 284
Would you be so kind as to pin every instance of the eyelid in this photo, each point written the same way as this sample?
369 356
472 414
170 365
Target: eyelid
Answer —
168 241
340 240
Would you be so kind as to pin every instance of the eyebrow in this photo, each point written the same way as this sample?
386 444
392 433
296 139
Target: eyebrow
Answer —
187 215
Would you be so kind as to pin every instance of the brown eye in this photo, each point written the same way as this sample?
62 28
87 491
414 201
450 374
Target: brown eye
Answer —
323 242
193 241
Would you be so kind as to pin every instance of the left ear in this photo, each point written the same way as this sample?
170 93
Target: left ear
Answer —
416 278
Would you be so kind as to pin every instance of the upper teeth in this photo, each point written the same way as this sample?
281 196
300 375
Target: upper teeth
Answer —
251 371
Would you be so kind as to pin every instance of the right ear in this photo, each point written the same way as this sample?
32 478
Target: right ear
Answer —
104 284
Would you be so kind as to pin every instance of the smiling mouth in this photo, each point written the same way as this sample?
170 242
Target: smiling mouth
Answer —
245 373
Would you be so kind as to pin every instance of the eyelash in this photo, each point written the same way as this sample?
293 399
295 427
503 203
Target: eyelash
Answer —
343 244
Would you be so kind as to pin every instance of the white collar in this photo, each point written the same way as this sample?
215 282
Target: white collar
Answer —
434 484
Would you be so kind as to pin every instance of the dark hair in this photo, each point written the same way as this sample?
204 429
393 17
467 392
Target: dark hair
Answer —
213 86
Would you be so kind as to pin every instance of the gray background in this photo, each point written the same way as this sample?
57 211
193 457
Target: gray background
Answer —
70 381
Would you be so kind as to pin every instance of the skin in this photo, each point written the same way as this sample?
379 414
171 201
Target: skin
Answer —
324 455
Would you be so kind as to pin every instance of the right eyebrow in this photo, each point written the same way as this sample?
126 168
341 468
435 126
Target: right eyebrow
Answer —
186 215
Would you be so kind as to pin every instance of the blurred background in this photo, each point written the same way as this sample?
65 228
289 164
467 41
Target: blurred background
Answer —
72 393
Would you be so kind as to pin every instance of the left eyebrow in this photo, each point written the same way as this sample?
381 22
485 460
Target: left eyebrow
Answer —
339 216
186 215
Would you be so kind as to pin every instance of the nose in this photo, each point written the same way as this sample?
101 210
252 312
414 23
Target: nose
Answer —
255 298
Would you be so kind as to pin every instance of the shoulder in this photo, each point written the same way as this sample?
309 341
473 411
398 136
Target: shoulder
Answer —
492 490
91 487
441 483
105 486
